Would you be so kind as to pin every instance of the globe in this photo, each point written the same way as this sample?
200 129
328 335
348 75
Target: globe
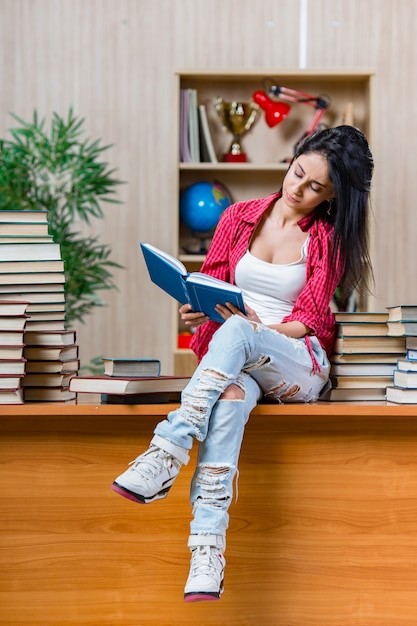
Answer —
201 206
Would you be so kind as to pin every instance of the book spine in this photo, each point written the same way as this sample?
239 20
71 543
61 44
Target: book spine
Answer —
185 156
193 135
208 153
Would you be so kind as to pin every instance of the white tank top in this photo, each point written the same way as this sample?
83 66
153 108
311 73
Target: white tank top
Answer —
270 289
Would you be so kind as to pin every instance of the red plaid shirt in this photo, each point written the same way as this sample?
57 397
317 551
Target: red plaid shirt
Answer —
230 243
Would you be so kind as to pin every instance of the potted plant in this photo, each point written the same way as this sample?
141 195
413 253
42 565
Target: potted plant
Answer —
63 173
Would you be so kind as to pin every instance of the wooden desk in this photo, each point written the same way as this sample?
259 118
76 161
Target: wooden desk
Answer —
324 532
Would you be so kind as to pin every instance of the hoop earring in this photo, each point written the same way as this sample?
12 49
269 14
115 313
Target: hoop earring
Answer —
330 207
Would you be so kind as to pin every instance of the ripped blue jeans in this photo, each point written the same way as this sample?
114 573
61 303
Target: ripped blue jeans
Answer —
261 362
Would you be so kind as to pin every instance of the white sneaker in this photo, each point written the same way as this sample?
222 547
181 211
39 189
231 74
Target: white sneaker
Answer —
152 474
205 580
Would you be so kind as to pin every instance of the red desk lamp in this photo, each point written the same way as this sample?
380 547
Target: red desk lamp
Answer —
276 111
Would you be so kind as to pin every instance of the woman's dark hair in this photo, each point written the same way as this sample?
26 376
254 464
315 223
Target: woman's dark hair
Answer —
351 166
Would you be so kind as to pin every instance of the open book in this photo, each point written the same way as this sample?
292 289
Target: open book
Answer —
200 290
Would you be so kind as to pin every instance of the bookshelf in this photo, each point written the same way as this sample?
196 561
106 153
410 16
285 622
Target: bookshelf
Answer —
268 149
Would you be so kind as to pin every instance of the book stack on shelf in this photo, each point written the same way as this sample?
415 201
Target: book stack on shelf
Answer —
12 363
402 322
129 381
32 271
196 145
52 359
364 357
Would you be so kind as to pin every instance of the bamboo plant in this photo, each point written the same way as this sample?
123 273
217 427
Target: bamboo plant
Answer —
62 172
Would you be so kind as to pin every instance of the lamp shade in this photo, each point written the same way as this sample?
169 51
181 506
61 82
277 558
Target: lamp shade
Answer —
275 111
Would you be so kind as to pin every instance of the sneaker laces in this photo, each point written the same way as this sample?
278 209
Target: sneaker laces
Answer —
150 462
204 558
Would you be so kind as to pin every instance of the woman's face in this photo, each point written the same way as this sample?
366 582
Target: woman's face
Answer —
307 183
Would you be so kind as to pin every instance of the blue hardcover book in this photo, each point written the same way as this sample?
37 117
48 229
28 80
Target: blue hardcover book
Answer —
200 290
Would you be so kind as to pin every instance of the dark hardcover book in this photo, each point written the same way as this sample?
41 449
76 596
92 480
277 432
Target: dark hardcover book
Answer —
141 398
200 290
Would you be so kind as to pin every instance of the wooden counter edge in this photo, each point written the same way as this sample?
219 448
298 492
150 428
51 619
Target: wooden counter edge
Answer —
331 409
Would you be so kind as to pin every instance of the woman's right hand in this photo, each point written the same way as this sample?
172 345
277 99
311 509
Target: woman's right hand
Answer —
192 318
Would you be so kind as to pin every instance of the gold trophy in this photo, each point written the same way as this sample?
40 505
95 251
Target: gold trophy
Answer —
237 118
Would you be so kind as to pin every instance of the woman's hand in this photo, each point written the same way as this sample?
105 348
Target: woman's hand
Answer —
230 309
191 318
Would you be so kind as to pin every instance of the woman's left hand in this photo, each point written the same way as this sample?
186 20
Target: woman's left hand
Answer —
230 310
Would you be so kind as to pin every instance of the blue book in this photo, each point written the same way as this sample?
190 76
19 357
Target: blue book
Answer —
200 290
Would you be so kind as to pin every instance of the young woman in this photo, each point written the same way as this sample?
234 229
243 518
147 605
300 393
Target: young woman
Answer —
288 253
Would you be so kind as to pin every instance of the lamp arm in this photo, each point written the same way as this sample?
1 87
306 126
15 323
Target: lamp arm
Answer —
292 95
315 121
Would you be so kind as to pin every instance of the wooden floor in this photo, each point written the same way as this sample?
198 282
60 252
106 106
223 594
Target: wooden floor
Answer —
324 532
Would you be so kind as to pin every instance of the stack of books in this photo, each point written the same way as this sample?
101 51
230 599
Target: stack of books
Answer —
364 357
12 363
32 271
129 381
52 359
402 322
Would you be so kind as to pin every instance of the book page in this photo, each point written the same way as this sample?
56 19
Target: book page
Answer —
206 279
206 292
167 257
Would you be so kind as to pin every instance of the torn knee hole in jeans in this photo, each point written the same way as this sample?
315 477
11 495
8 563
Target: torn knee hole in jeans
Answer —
212 480
195 402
